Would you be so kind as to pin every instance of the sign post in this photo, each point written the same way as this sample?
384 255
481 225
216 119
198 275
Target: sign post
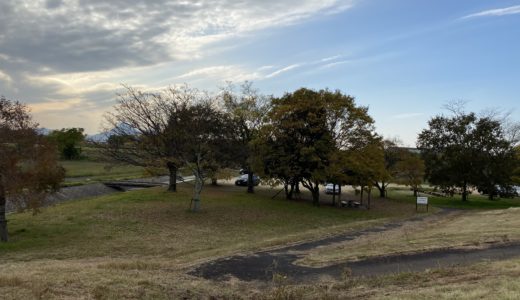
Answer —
421 201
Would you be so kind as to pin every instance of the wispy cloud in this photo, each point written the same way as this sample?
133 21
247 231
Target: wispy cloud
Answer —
497 12
407 116
330 58
282 70
334 64
6 78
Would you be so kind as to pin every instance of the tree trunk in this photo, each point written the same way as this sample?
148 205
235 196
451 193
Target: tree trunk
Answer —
334 194
172 169
214 181
297 187
415 192
465 191
369 197
361 195
382 189
3 220
316 194
289 189
250 183
199 182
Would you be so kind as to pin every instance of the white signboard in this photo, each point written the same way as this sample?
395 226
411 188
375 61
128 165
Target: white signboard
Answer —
422 200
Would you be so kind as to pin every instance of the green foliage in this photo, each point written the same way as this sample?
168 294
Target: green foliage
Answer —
410 171
515 178
68 141
28 164
306 135
365 165
247 111
466 150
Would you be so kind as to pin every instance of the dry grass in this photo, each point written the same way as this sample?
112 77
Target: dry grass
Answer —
460 229
138 244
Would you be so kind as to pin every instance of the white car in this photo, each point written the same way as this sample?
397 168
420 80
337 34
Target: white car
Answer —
329 189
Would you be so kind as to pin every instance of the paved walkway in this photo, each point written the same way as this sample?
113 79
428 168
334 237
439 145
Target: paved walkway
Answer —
262 265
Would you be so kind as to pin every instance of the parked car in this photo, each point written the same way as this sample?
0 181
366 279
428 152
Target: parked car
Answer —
242 172
331 189
242 180
506 191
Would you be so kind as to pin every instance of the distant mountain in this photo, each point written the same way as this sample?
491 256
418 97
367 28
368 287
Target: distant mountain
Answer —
99 137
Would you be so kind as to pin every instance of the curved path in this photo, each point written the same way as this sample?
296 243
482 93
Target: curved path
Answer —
263 265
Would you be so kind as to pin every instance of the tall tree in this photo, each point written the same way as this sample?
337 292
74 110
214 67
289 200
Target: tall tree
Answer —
247 109
465 150
68 141
392 154
29 168
409 170
306 129
206 137
365 165
140 128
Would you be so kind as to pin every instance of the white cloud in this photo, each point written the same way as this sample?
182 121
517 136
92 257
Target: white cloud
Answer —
103 35
221 73
496 12
334 64
282 70
327 59
5 78
62 55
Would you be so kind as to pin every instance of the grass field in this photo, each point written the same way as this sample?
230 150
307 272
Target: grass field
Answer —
85 171
138 245
472 229
156 222
475 201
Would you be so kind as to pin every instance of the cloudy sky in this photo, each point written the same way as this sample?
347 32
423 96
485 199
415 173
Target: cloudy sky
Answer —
403 58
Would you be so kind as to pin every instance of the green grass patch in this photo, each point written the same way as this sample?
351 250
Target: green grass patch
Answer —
79 172
475 201
154 222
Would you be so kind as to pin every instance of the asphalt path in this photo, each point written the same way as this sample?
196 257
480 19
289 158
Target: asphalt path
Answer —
261 266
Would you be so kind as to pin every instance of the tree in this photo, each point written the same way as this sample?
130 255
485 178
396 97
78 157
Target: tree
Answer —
304 132
515 178
206 137
465 150
68 141
247 111
140 130
28 168
392 154
410 171
365 165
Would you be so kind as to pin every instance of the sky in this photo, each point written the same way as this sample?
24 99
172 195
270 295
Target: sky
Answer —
404 59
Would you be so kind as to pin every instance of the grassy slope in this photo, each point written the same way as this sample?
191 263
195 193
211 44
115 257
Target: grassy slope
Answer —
136 244
156 222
